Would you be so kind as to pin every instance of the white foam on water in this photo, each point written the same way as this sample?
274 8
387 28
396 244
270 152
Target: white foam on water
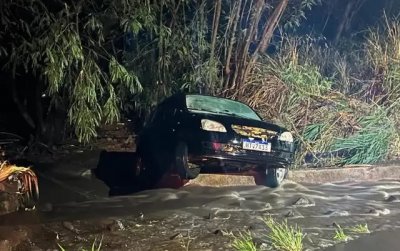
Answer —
237 196
170 196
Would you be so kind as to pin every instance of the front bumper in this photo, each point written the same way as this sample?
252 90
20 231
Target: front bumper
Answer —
230 156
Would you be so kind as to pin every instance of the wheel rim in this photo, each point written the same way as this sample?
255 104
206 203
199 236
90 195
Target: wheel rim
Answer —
181 154
280 174
139 166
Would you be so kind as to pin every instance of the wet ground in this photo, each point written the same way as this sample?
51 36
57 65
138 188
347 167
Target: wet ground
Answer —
75 209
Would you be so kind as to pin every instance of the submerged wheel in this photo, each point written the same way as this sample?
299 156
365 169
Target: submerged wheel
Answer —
139 167
146 170
185 169
275 176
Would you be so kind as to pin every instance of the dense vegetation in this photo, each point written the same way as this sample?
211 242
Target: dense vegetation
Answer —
96 60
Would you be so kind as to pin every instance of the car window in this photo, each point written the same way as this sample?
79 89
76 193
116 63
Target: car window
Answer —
208 104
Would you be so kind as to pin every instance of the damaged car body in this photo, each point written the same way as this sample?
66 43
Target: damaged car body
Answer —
192 133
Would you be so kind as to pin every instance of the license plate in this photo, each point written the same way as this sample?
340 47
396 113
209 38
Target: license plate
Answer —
257 146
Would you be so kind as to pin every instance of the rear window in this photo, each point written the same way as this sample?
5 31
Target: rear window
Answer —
208 104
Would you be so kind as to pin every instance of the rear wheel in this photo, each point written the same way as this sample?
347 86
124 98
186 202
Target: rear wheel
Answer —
275 176
185 169
139 167
146 170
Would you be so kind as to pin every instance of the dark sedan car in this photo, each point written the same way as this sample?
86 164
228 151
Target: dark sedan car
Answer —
190 133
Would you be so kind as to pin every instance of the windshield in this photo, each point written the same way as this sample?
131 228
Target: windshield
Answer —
199 103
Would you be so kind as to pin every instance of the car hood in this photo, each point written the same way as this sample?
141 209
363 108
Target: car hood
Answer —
228 121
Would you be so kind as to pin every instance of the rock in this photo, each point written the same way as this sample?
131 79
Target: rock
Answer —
336 213
218 232
113 225
69 226
378 212
104 223
303 202
267 206
208 217
175 236
289 214
293 214
392 198
120 225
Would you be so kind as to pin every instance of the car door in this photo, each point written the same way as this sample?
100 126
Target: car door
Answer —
159 133
167 130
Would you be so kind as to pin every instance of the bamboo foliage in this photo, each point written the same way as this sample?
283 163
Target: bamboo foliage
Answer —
66 48
97 55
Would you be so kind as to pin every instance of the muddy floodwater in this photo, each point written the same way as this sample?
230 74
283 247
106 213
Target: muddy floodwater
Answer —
206 218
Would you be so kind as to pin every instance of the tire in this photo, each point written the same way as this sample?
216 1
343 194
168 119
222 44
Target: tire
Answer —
146 170
139 166
275 176
185 169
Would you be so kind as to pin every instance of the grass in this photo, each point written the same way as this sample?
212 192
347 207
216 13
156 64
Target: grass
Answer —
371 143
340 235
284 237
360 229
344 108
281 236
244 242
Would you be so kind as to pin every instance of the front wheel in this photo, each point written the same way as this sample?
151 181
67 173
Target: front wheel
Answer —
185 169
275 176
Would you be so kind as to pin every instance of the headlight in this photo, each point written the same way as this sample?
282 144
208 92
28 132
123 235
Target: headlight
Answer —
212 126
286 136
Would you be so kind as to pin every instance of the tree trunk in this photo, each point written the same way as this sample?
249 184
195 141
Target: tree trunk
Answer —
228 69
217 14
352 7
215 25
266 37
242 61
269 29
